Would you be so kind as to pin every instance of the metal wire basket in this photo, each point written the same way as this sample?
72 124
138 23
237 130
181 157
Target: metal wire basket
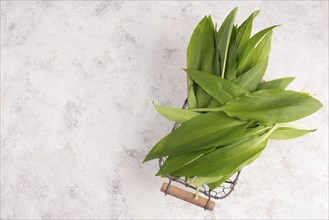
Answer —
221 192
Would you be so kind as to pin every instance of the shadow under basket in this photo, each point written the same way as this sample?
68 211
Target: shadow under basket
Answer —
221 192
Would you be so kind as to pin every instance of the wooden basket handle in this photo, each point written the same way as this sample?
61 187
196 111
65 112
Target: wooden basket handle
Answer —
188 196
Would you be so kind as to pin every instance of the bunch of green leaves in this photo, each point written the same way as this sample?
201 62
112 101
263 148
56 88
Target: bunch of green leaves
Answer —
231 114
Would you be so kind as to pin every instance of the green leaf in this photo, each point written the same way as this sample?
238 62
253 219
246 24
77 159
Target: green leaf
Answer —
175 114
262 50
224 178
216 58
200 56
250 79
257 55
281 83
225 160
289 131
213 103
232 59
202 97
175 162
272 106
200 51
191 97
243 62
221 89
257 130
244 31
201 132
224 36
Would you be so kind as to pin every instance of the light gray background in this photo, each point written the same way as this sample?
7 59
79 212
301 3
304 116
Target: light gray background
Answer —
77 84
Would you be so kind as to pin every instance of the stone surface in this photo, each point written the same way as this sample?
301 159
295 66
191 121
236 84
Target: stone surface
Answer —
77 83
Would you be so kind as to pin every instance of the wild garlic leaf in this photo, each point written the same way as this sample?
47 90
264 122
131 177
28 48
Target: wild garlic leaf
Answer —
201 132
246 64
207 65
255 131
257 55
220 89
250 133
244 31
262 50
191 97
281 83
202 97
216 55
250 79
225 160
224 178
175 162
201 48
246 53
283 133
213 103
200 56
176 114
224 36
272 106
232 59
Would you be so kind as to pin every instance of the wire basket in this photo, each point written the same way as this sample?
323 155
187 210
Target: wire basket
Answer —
221 192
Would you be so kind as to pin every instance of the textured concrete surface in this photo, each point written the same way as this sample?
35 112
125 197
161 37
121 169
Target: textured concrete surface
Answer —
77 84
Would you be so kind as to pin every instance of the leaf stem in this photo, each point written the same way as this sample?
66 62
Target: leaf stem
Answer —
197 192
